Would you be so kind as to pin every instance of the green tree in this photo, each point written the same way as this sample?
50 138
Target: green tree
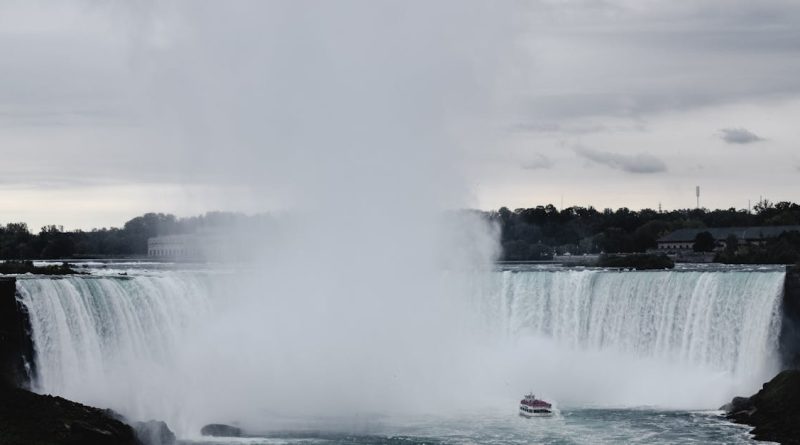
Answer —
731 244
53 243
646 236
703 242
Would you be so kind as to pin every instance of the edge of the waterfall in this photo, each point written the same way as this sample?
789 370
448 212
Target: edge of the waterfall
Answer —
27 418
16 348
774 411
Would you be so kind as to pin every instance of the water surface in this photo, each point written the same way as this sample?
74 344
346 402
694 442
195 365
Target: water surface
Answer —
578 426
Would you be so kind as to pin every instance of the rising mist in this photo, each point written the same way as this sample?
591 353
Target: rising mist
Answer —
349 121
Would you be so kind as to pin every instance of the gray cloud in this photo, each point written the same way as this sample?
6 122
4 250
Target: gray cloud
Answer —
626 61
636 163
739 136
539 162
144 93
553 128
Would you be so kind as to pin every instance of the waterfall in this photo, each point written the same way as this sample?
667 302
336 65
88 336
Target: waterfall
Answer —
683 338
729 321
109 340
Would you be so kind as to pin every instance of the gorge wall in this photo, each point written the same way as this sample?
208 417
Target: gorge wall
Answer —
790 328
16 348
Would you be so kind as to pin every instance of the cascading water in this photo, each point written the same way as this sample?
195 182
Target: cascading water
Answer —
667 338
109 340
728 321
683 338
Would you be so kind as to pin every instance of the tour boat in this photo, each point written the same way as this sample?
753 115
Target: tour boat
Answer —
530 406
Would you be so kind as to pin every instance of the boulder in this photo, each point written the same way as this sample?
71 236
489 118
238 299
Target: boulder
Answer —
221 430
739 409
153 432
774 411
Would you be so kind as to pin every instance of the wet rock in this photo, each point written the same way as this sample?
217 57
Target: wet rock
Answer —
153 432
32 419
774 411
739 409
221 430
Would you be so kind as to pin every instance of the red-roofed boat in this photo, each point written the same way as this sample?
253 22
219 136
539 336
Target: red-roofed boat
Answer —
530 406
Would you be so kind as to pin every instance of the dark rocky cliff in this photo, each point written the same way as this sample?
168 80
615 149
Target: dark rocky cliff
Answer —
16 348
790 327
774 411
32 419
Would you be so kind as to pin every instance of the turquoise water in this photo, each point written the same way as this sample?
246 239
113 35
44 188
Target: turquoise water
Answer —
580 426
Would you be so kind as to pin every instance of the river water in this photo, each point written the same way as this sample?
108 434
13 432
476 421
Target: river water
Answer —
571 426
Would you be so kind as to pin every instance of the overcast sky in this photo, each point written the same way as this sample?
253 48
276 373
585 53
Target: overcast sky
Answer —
604 103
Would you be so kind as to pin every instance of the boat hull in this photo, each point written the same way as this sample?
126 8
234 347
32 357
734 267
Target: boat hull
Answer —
535 413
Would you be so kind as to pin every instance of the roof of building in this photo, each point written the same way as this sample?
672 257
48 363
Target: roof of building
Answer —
179 238
720 233
186 238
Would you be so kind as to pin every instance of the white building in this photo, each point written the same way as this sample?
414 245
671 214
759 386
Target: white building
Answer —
174 247
202 246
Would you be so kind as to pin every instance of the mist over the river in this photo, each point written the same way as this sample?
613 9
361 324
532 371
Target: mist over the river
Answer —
349 122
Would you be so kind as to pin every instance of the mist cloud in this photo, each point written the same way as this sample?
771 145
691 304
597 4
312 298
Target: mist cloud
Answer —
636 163
739 136
336 111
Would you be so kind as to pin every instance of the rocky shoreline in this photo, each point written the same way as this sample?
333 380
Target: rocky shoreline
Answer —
32 419
774 411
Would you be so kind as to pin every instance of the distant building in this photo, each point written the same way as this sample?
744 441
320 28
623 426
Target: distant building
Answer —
683 239
173 247
201 246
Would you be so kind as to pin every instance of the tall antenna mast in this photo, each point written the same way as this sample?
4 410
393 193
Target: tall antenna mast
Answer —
697 192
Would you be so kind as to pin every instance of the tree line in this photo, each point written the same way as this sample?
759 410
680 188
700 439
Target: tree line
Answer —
53 242
538 233
535 233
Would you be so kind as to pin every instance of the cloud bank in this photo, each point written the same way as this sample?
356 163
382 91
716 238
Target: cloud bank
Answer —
637 163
